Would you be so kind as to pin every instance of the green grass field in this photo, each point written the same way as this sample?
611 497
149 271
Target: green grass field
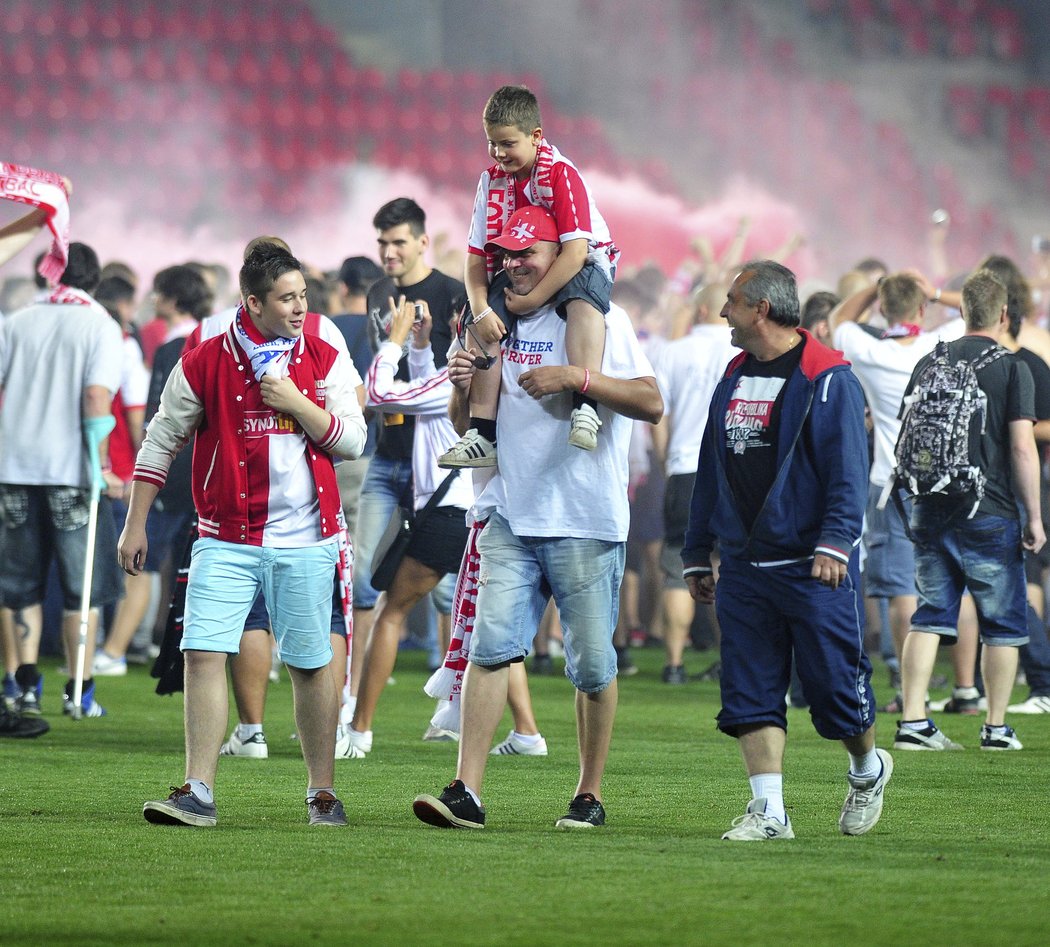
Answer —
961 854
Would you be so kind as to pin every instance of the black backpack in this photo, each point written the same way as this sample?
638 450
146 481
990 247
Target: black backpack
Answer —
939 442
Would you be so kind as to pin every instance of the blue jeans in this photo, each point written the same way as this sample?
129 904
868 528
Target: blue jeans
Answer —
388 485
519 573
981 555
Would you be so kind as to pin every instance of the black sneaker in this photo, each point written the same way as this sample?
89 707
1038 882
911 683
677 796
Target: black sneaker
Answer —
625 667
674 674
21 728
453 809
182 807
585 812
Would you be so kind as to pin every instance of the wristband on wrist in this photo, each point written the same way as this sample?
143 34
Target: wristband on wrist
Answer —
937 294
482 315
586 381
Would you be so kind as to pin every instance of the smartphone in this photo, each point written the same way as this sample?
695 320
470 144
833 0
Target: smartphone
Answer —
419 314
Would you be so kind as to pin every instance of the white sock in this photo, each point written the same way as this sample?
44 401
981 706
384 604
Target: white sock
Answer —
866 766
473 795
360 733
314 790
346 712
201 790
916 724
248 730
770 786
529 739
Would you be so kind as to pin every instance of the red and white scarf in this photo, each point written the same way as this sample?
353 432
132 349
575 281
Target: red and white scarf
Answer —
44 190
446 683
62 295
502 198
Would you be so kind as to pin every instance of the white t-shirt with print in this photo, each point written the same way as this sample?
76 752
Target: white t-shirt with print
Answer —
544 486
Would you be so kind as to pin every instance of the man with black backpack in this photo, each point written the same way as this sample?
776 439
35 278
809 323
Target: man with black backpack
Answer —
967 453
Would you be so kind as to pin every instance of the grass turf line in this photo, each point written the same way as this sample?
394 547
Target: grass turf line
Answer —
78 862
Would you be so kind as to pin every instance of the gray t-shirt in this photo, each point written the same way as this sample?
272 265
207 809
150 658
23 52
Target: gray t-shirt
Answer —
49 353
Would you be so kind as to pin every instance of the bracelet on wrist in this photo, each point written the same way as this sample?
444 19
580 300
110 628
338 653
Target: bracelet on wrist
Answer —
936 295
586 381
482 315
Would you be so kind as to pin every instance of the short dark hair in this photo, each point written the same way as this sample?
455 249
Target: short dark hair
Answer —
1018 292
113 290
870 265
186 288
316 295
264 266
513 105
82 268
358 273
817 307
401 210
776 284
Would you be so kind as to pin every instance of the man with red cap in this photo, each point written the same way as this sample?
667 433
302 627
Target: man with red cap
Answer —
557 524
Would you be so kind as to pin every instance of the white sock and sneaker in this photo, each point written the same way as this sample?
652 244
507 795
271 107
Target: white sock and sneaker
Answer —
351 744
247 739
766 818
521 744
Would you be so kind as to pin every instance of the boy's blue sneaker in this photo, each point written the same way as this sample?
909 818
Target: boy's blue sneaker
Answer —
88 705
182 807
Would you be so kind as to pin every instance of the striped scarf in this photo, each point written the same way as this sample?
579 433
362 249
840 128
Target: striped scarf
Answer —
45 191
268 357
502 201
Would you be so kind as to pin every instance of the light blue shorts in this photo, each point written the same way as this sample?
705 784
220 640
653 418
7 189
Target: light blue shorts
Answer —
224 580
519 573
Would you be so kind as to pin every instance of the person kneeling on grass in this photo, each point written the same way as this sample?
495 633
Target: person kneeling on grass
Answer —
270 405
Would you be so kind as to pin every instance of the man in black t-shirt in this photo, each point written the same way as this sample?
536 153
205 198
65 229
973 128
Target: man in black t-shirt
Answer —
983 552
402 241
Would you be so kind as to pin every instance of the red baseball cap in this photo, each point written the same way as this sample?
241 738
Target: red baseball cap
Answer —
526 226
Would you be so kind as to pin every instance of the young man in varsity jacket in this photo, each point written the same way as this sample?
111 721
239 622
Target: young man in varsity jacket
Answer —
269 405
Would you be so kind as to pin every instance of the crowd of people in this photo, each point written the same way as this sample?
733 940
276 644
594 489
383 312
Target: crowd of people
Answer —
554 450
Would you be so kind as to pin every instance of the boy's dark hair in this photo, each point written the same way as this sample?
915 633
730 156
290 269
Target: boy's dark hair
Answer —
82 268
358 273
111 291
185 287
513 105
401 210
1019 293
263 267
983 298
817 307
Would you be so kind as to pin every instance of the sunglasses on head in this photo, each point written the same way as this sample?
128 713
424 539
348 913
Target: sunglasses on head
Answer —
466 320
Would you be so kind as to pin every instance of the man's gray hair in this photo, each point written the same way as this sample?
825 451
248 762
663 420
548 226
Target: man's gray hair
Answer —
776 284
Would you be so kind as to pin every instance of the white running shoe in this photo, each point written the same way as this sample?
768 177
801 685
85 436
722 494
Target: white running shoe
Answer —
863 805
254 747
929 739
1038 704
755 826
1005 739
515 746
471 450
584 424
351 745
106 666
440 735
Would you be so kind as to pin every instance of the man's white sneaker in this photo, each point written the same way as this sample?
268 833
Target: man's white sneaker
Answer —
515 746
584 424
755 826
351 745
106 666
1038 704
1004 739
929 739
863 805
254 747
471 450
440 735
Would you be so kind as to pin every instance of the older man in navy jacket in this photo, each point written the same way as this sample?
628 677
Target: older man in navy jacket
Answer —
781 486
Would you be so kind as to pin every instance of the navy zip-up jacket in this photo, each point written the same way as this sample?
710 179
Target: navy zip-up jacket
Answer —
816 504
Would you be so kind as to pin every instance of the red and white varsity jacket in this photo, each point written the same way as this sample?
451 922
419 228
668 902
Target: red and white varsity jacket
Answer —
212 392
